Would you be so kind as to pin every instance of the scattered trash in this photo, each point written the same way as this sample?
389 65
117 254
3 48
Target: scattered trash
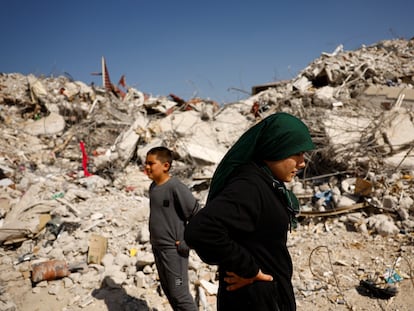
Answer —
326 196
133 252
56 226
391 276
58 195
25 257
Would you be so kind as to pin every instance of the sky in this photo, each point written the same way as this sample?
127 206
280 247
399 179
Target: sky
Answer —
214 49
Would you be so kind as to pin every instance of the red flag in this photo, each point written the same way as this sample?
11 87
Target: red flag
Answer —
84 160
122 81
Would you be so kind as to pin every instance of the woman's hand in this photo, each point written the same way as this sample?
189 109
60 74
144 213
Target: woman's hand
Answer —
235 282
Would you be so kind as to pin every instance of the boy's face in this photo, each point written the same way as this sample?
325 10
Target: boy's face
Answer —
155 169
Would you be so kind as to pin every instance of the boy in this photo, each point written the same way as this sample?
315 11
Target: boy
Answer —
171 206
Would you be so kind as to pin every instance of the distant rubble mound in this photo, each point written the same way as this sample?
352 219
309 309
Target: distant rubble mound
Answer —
358 105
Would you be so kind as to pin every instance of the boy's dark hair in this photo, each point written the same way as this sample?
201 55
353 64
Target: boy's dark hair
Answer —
162 153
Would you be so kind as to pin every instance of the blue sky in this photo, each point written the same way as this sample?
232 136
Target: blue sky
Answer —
214 49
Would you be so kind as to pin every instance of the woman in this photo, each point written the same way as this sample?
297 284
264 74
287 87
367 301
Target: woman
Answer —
243 227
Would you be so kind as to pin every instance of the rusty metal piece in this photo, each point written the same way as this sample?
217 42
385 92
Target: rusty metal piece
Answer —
49 270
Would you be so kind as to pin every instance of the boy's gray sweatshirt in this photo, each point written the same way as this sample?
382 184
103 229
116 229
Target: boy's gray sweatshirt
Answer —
171 205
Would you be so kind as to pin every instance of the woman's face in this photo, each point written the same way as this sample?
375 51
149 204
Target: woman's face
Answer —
286 169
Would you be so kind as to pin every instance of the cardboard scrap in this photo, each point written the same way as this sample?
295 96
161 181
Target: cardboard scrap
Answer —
97 248
363 187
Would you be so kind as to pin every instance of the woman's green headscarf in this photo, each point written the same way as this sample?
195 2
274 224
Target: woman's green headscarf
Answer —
276 137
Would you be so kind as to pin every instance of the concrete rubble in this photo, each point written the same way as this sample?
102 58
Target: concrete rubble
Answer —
71 159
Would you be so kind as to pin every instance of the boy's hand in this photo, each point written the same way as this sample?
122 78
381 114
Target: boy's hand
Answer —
235 282
182 248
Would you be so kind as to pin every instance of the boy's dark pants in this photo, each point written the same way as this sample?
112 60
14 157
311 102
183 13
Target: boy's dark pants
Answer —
173 272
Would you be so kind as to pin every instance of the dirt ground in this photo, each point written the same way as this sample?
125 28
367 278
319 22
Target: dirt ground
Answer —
329 259
340 259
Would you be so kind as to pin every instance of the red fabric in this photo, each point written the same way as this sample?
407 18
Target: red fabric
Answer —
84 159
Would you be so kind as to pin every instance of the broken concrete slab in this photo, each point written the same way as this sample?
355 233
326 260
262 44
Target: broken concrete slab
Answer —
398 128
50 125
345 131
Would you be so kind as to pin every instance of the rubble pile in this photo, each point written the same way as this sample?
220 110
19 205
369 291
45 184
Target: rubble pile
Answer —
71 173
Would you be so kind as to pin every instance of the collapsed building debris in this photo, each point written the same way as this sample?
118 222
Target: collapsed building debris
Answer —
71 154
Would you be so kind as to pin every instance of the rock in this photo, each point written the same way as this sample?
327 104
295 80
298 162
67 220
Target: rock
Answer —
52 124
